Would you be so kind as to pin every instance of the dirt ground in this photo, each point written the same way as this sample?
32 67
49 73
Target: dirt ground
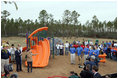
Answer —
60 65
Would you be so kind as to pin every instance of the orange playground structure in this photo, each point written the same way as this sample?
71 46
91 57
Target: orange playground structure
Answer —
103 56
42 47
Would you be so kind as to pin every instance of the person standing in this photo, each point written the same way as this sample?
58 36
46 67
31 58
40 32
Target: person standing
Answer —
18 59
21 49
66 48
91 43
110 44
86 52
109 52
92 51
72 54
51 47
29 59
61 49
80 55
86 43
4 57
58 49
12 49
83 46
96 51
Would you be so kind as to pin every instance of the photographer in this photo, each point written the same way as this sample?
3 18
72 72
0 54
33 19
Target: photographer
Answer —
91 62
86 73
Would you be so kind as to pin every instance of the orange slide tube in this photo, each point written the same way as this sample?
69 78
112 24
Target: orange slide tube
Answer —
43 50
103 56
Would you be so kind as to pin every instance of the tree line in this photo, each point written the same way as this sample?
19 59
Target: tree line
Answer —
69 26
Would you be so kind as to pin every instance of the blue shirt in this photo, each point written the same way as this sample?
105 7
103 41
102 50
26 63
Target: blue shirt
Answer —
109 43
72 50
79 50
105 50
5 54
86 51
71 45
101 45
96 53
112 50
91 52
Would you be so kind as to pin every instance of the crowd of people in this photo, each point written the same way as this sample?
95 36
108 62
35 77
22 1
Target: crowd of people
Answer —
88 53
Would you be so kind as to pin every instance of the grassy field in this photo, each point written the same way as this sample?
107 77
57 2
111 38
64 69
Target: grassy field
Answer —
60 65
22 40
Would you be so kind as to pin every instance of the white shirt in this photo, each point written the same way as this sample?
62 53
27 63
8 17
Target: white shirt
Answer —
12 50
57 46
91 43
115 44
95 73
9 50
1 47
86 43
90 47
61 46
66 45
99 48
20 48
77 42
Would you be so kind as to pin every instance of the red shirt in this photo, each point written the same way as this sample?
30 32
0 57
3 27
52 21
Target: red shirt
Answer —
87 46
75 46
83 46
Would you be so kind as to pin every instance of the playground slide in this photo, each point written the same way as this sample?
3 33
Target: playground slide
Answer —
42 52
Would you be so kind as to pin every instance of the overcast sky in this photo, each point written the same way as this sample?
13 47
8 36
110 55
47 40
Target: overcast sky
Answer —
104 10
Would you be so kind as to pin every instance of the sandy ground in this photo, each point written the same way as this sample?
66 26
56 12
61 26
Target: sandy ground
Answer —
60 65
